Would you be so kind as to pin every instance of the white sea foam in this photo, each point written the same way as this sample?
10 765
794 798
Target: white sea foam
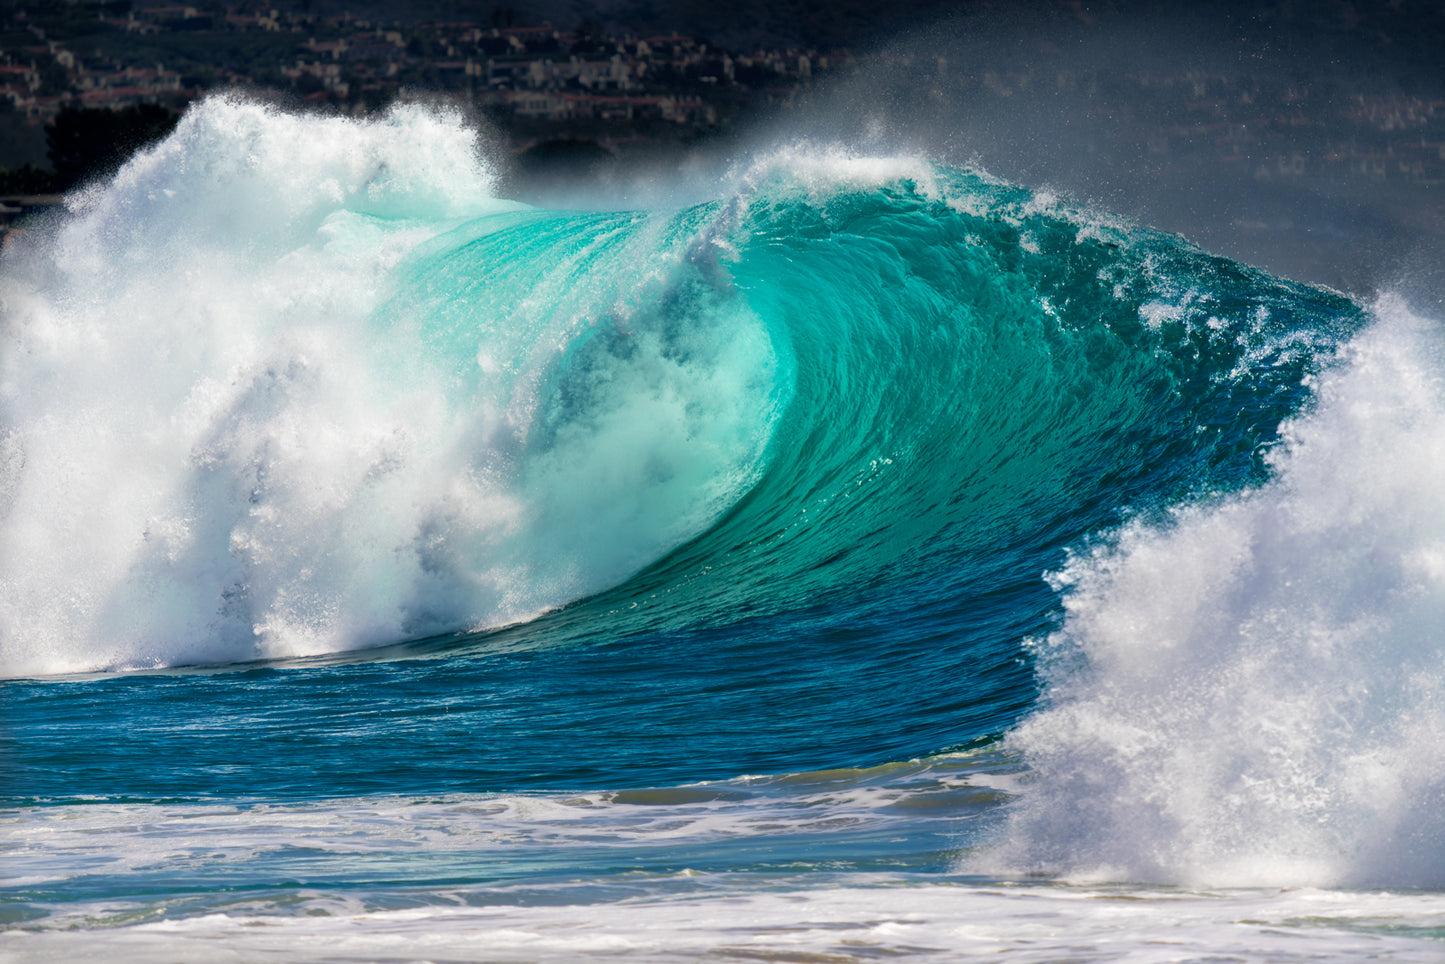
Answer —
860 919
1253 692
118 846
788 867
212 450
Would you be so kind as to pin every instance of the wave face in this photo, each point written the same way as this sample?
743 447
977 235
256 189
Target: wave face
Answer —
552 527
292 386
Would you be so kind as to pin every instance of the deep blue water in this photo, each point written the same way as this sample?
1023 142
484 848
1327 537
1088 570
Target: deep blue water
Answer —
397 497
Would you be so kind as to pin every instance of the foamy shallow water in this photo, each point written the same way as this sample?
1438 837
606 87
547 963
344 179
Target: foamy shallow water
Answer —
856 920
835 866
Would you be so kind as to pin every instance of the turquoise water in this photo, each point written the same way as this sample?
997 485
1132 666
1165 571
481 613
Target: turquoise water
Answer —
376 548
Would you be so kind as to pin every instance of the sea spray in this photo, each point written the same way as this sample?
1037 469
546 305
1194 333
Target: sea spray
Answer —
227 436
1253 690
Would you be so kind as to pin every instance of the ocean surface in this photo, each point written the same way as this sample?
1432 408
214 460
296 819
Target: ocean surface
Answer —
865 559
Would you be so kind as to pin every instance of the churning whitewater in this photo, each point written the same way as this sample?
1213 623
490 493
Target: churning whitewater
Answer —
873 554
279 394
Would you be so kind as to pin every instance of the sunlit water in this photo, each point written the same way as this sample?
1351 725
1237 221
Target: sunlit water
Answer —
877 559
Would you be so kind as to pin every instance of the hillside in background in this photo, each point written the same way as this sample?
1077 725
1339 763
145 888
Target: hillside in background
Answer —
1306 137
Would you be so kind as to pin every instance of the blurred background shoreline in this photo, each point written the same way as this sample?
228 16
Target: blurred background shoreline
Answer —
1307 139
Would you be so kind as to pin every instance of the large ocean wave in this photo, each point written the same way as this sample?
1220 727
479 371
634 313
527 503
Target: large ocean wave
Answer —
289 386
774 481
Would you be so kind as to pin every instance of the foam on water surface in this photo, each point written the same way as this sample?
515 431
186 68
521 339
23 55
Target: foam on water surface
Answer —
1252 690
768 482
872 917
